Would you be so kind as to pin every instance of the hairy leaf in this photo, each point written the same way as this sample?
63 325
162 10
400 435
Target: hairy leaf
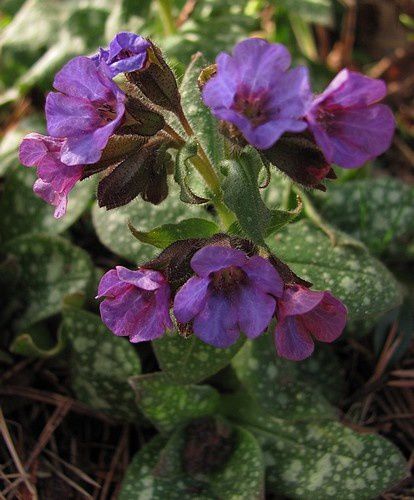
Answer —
189 360
379 212
198 115
112 227
25 213
51 269
165 235
101 365
242 195
292 391
168 404
364 284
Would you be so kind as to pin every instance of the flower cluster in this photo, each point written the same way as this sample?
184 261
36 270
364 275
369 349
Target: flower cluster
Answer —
255 91
216 288
86 111
229 293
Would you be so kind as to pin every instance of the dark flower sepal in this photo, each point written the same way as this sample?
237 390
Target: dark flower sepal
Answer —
146 121
117 149
157 81
299 158
143 173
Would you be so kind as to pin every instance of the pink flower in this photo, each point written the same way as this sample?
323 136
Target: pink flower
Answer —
348 123
56 179
304 315
136 303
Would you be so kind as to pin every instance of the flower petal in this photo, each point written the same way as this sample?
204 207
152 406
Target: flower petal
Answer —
360 135
145 279
352 89
255 310
292 340
80 77
190 299
299 300
216 324
212 258
110 285
327 321
263 275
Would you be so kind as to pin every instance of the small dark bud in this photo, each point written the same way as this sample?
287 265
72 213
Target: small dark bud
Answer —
157 81
299 157
147 122
206 74
143 173
209 444
287 275
117 149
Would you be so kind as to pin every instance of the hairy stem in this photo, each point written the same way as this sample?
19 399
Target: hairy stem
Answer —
206 170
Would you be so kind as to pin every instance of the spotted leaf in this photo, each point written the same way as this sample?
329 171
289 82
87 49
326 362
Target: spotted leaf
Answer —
364 284
101 365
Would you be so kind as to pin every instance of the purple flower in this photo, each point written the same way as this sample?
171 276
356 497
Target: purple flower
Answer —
86 110
136 303
55 178
127 52
305 314
254 90
347 123
231 292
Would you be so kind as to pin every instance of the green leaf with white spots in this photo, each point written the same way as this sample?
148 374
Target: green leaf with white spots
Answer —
379 212
112 226
365 285
167 234
199 116
37 342
188 360
23 212
242 196
330 461
319 460
243 475
158 471
168 404
287 390
101 365
51 269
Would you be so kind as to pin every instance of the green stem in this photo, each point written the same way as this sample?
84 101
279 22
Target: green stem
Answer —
164 7
206 170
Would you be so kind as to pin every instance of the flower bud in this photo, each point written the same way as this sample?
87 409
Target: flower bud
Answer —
143 172
300 158
157 81
146 121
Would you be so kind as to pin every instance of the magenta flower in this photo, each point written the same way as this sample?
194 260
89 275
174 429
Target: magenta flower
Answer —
254 90
230 293
347 123
305 314
127 52
55 178
86 110
136 303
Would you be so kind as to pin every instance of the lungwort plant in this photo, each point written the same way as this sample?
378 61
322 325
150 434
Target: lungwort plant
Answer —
230 278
